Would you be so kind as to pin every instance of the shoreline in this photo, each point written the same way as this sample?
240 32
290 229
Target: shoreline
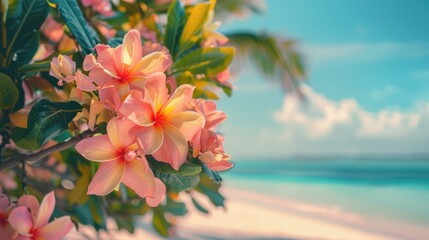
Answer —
250 215
276 218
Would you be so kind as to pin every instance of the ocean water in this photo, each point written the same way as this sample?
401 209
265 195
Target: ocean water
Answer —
386 191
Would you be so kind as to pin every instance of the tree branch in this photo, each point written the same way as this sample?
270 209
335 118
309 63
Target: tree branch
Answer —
16 160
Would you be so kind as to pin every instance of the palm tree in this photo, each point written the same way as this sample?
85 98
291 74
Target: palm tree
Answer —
273 56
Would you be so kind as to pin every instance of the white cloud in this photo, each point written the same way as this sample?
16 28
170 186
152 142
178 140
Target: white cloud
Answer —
324 126
364 52
321 117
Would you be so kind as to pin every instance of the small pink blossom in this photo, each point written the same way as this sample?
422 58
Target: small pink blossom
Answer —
63 68
120 162
224 77
31 221
212 152
207 144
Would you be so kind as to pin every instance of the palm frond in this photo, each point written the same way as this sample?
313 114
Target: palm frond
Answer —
273 57
227 9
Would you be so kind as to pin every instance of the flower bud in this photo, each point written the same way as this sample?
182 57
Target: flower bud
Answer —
63 68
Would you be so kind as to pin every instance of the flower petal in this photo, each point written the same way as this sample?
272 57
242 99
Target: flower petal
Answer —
159 194
179 99
89 62
6 231
29 201
132 50
174 147
151 63
189 123
207 157
20 219
84 82
151 138
4 201
107 177
109 95
119 133
135 109
45 210
139 177
98 149
99 76
56 229
95 108
220 166
156 89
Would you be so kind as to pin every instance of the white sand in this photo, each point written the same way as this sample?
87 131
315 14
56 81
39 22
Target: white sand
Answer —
255 216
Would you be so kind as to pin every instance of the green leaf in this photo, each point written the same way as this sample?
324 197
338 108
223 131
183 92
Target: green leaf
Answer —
226 89
23 22
211 190
114 42
44 66
14 11
25 52
187 168
90 213
199 206
8 92
175 23
192 31
213 175
274 57
208 61
176 208
46 120
177 183
159 222
125 222
71 14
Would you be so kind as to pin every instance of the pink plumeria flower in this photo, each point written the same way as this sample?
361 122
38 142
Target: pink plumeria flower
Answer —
63 68
120 162
6 230
32 221
211 116
207 144
212 153
125 67
164 127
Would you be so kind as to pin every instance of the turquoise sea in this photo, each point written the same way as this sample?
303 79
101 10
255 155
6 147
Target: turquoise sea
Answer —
389 193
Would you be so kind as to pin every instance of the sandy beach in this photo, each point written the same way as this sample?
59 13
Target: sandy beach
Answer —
252 215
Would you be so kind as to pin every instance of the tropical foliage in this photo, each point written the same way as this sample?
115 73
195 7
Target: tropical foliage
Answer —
108 105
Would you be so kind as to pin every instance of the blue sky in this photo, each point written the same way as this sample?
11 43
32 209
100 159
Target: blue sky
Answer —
368 79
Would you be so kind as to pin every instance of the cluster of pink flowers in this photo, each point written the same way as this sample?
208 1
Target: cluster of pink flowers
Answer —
26 219
148 118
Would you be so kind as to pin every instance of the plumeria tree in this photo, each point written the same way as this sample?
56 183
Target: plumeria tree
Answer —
107 109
